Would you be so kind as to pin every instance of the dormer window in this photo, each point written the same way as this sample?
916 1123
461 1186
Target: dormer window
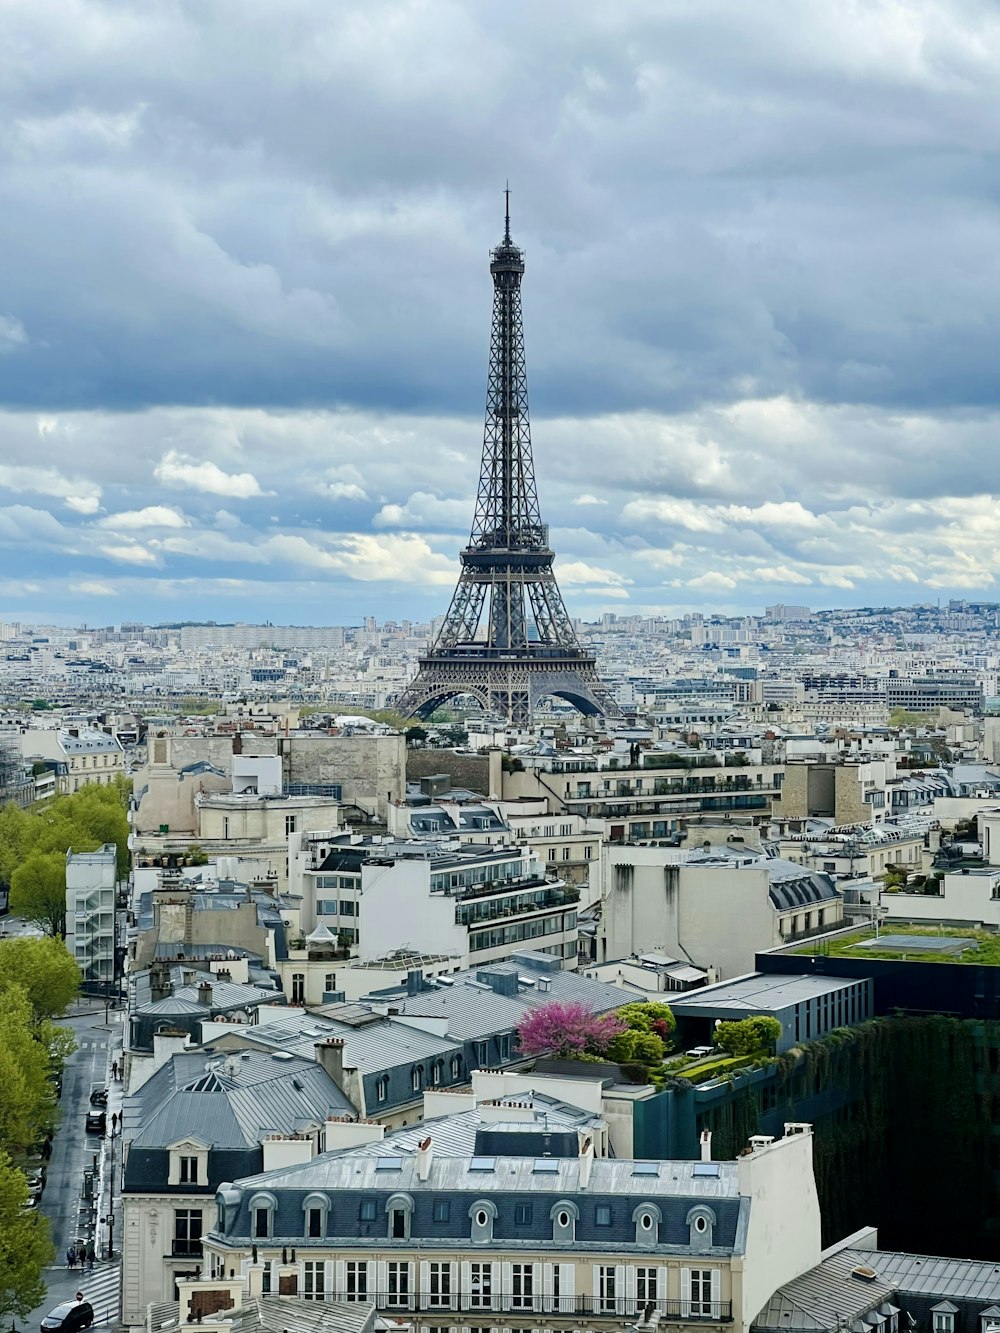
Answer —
189 1170
647 1218
701 1227
564 1216
382 1088
943 1317
315 1208
262 1211
399 1208
482 1215
417 1077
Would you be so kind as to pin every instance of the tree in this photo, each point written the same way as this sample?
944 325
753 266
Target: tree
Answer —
649 1016
567 1028
416 735
25 1246
748 1036
44 969
28 1104
636 1047
38 891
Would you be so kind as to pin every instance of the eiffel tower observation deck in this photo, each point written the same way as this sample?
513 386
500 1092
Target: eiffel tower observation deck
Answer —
507 640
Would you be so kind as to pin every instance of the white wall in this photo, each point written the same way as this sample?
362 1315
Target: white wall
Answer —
965 898
397 910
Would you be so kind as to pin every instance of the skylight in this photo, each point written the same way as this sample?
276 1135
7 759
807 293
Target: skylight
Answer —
483 1164
389 1164
645 1168
546 1165
705 1169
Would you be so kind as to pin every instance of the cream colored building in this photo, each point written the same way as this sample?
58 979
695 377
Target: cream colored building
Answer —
84 757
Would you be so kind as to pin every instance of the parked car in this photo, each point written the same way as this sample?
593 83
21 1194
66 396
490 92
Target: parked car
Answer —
699 1052
68 1317
97 1122
98 1094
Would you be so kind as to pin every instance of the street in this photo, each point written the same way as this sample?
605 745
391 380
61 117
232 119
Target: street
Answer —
74 1151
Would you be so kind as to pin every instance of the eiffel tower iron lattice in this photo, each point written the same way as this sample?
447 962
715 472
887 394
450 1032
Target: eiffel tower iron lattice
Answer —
507 640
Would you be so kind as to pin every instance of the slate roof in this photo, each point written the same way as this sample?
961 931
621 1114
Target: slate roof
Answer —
230 1101
790 885
921 1274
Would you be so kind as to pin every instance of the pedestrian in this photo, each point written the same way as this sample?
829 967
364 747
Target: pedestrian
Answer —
90 1256
79 1295
70 1257
81 1252
114 1069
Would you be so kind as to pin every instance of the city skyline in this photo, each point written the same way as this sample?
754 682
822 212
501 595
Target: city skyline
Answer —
242 333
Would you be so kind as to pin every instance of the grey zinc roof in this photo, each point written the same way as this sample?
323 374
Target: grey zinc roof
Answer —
230 1102
279 1314
827 1296
758 993
378 1045
473 1011
358 1170
925 1275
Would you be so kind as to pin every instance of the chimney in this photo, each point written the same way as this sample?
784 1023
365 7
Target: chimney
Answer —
330 1055
237 744
160 987
586 1162
706 1145
414 981
205 994
425 1155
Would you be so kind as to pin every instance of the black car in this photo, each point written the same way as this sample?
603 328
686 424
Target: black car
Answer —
98 1095
97 1122
68 1317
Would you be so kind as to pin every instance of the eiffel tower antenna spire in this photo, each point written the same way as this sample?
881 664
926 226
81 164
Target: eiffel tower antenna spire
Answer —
507 639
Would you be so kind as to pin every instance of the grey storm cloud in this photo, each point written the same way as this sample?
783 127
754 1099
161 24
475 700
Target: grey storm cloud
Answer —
244 295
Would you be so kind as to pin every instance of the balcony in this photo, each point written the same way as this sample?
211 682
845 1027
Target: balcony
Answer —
476 913
567 1307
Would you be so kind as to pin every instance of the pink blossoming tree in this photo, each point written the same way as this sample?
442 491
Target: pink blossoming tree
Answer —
567 1028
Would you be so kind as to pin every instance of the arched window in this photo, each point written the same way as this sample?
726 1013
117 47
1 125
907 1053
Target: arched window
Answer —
315 1208
564 1216
263 1208
399 1209
382 1088
701 1225
647 1218
482 1214
456 1068
437 1073
417 1077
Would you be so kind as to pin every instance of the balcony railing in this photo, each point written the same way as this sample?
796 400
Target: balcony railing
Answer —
469 1302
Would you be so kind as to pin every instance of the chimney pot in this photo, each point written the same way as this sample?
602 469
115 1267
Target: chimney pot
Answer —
706 1145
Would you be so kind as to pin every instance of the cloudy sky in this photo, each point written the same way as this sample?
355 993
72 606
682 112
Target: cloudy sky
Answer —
245 299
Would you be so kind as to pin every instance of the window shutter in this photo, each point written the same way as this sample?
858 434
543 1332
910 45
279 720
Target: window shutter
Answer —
425 1280
466 1281
411 1303
567 1287
507 1285
662 1287
685 1293
596 1271
381 1276
340 1278
497 1281
716 1287
547 1286
620 1288
372 1274
630 1307
536 1286
453 1286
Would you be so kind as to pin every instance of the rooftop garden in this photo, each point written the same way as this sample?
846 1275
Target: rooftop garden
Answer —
862 944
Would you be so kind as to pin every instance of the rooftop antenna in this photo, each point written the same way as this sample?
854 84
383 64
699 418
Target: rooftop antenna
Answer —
506 227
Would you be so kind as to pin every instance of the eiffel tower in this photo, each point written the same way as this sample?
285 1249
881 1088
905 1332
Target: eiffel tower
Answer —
507 640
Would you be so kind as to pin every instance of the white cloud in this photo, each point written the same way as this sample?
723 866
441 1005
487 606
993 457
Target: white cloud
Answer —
12 333
82 496
130 553
175 469
93 588
152 516
424 510
578 573
588 500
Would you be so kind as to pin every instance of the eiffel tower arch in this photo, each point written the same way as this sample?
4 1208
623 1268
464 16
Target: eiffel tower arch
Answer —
507 640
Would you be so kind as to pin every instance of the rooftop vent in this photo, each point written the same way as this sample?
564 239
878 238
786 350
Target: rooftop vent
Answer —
864 1274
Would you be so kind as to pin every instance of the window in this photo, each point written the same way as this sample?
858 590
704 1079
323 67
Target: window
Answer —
189 1171
382 1089
551 854
314 1222
456 1068
481 1054
187 1231
298 987
440 1285
348 907
566 852
606 1287
437 1073
701 1291
289 824
442 1210
645 1285
357 1280
481 1286
588 852
503 1046
602 1215
565 830
397 1228
944 1321
261 1222
367 1210
329 982
398 1277
522 1286
417 1077
522 1214
313 1280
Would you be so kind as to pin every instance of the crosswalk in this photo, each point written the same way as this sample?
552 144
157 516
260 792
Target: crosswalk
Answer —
103 1288
92 1045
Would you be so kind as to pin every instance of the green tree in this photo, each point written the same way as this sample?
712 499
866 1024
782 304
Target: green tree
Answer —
28 1104
416 735
636 1047
748 1036
44 969
25 1246
649 1016
38 891
15 839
